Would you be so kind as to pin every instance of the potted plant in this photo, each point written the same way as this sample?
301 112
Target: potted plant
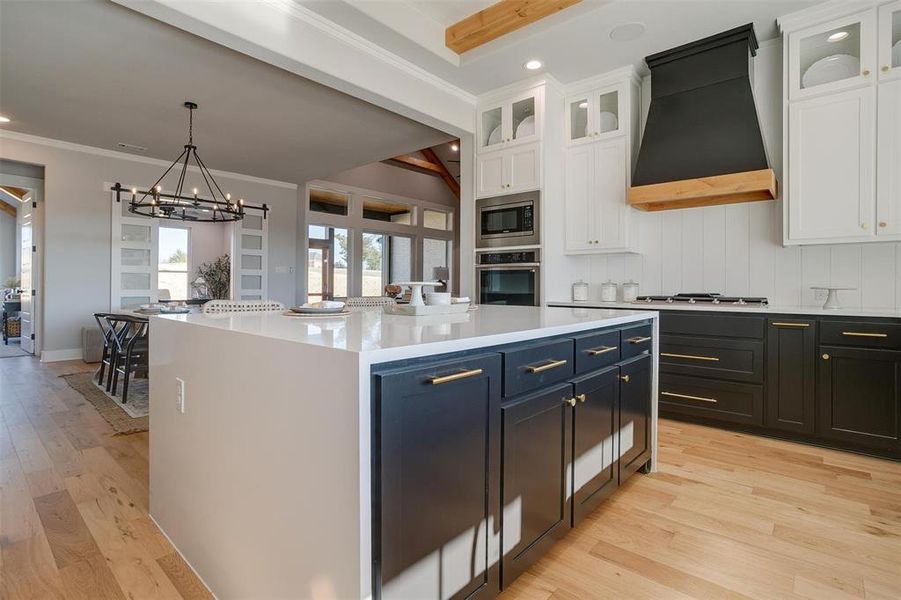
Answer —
214 279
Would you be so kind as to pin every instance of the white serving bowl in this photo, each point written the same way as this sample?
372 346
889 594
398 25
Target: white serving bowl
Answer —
437 298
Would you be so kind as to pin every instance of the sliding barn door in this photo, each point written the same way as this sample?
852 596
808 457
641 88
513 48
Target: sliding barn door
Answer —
135 243
249 249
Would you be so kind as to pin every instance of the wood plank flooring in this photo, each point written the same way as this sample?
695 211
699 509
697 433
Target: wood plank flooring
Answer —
727 516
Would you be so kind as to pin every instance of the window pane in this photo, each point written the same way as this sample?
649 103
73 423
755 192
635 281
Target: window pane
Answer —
327 257
830 56
251 242
436 260
135 258
436 219
251 261
251 282
327 201
173 261
386 259
133 301
252 222
386 210
135 281
136 233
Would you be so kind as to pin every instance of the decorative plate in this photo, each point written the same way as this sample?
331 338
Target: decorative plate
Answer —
829 69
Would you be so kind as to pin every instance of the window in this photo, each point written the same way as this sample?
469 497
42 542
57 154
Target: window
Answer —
327 258
327 201
436 260
174 263
386 259
436 219
378 209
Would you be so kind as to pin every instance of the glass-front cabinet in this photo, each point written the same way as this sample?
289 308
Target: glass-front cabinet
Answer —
594 115
890 40
833 56
516 120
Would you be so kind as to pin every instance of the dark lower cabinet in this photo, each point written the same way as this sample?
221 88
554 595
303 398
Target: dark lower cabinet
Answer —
860 396
537 449
436 480
791 375
595 444
634 415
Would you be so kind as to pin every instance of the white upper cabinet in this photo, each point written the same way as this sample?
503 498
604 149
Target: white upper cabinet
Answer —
889 51
579 196
888 167
508 171
596 114
512 121
832 56
832 158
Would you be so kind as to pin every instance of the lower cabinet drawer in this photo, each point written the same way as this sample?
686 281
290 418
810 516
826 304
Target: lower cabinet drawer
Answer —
596 350
740 360
712 399
533 366
866 334
636 340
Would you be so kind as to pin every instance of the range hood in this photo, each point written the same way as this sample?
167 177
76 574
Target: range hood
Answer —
702 143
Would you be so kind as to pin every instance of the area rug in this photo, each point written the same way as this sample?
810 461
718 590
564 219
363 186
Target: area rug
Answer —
11 350
130 417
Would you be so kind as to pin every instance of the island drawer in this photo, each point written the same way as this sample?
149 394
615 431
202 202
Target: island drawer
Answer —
529 367
712 399
867 334
737 359
635 340
596 350
720 325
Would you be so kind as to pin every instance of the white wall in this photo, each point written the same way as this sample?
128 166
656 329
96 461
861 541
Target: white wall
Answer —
738 249
77 227
8 267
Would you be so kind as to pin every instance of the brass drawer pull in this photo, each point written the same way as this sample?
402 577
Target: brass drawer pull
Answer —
455 376
547 366
625 378
570 401
701 398
862 334
581 397
638 340
601 350
691 356
782 324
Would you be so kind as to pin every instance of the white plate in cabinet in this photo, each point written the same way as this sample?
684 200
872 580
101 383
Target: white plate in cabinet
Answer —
832 146
596 115
508 171
598 218
517 120
888 168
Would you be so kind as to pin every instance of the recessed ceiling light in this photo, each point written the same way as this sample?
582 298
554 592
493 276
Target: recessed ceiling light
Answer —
533 65
583 104
455 147
838 36
627 32
4 119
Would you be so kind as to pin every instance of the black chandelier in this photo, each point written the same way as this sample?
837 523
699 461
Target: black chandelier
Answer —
155 203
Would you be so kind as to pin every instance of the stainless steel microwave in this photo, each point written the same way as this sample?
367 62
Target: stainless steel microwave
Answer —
507 220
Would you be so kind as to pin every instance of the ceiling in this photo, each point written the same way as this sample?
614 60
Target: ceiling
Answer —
573 44
95 73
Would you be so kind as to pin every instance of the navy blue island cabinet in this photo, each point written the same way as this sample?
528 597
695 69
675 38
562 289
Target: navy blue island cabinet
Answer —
483 459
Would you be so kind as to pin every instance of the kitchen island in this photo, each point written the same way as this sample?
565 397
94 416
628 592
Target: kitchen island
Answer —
387 456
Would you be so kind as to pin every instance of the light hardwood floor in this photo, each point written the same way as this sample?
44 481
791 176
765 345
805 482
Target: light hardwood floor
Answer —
727 516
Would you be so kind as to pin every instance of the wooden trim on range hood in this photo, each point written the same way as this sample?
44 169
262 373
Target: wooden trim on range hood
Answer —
750 186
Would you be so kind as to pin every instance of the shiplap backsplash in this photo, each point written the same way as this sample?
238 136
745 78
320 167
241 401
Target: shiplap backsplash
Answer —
737 249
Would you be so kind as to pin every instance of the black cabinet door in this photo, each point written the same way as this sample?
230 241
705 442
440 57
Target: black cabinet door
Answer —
436 480
860 396
634 415
537 450
791 374
595 470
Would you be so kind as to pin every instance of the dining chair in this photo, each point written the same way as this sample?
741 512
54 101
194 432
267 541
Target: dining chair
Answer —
107 332
131 351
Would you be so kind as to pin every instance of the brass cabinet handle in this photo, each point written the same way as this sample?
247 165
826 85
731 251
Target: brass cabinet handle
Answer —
863 334
866 72
883 224
625 378
825 356
783 324
687 397
601 350
570 401
690 356
547 366
455 376
885 68
581 398
638 340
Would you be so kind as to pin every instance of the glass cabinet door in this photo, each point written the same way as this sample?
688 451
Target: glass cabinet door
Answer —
890 40
578 118
832 56
608 113
491 127
523 119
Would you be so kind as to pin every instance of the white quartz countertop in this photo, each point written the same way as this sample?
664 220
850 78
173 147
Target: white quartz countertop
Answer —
771 309
384 337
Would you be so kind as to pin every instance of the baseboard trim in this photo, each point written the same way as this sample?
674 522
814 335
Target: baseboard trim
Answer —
48 356
183 557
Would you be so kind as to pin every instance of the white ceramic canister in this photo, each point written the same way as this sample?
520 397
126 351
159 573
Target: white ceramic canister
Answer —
630 291
580 291
608 291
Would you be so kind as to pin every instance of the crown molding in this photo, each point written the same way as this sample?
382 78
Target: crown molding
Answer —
73 147
627 73
820 13
342 34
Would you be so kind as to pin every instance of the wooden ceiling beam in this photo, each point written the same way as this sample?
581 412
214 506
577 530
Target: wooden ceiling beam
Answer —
10 210
449 179
499 19
408 161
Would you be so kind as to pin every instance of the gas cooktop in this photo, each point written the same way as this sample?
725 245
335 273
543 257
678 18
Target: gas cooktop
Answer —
702 299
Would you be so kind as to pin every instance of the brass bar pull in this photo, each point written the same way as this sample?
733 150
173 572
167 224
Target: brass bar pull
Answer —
570 401
625 378
862 334
581 397
691 356
601 350
455 376
701 398
638 340
782 324
553 364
